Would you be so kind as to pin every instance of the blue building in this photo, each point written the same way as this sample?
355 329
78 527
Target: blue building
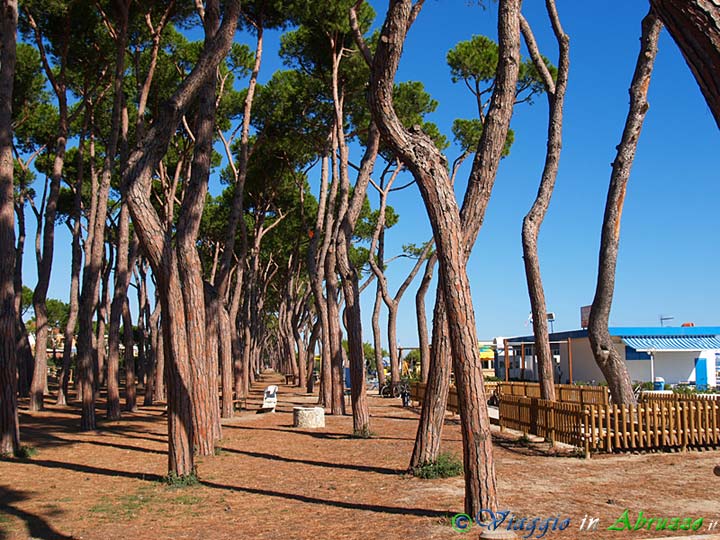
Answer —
680 355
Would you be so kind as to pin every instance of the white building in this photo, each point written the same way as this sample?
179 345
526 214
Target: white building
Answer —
680 355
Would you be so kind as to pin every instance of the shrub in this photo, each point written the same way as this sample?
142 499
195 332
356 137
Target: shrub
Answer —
364 433
186 480
446 466
25 452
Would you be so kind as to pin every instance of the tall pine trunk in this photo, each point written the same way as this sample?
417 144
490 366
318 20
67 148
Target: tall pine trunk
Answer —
205 402
157 243
430 171
606 355
9 427
533 220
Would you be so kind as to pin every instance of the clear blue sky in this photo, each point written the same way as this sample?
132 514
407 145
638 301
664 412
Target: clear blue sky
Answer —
669 253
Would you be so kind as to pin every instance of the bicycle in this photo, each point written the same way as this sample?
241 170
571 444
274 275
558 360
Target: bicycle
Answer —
394 390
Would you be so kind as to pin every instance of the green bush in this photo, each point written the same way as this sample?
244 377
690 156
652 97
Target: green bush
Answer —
446 466
364 433
186 480
25 452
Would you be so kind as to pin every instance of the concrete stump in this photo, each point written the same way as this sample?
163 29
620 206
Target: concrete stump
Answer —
308 417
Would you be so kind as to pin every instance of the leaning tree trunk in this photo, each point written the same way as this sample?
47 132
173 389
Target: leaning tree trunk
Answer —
472 214
9 427
157 243
430 171
534 218
695 27
606 355
205 402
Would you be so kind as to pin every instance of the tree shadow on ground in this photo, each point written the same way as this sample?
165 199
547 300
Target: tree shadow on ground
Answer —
275 457
288 428
90 469
36 525
350 505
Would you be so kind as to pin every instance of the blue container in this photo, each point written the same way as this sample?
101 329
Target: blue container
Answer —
659 383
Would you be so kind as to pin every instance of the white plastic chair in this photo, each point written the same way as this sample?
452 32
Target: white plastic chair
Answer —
270 398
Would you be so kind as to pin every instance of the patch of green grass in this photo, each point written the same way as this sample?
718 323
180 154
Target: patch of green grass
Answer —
186 480
104 507
363 433
446 466
26 452
187 500
127 506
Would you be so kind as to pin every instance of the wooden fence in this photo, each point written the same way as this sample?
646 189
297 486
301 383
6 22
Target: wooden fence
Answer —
652 396
657 424
552 420
417 393
566 393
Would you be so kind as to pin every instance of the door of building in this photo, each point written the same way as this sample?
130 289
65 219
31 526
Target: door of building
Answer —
701 376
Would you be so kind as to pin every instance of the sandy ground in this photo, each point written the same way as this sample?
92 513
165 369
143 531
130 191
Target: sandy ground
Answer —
272 481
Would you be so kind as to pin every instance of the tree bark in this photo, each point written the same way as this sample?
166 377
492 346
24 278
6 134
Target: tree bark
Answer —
392 302
157 244
430 171
695 27
534 218
423 341
157 356
337 403
317 253
129 357
99 364
312 343
472 214
9 426
606 355
206 406
377 337
122 282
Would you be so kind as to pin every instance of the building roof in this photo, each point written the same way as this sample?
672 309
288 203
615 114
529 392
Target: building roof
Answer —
681 343
648 338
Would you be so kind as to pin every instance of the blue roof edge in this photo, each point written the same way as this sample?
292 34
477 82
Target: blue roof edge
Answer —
627 331
664 331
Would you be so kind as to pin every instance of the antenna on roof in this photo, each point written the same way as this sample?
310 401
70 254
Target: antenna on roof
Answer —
664 318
